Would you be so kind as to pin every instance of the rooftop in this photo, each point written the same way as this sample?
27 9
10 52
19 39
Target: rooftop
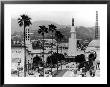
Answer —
94 43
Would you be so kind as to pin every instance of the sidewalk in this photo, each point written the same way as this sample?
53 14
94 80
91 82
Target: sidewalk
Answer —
68 74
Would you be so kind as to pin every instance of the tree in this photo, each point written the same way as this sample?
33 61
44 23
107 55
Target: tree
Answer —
36 45
48 62
80 58
42 31
37 62
58 37
61 58
24 21
52 29
55 57
52 59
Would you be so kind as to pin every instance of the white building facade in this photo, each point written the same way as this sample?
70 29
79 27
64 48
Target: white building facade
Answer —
17 58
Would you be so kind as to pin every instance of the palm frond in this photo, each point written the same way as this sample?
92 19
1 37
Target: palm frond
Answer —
46 30
20 22
52 28
42 30
19 19
39 31
59 36
24 18
28 23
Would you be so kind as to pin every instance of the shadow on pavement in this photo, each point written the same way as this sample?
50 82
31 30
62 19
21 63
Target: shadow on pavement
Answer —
60 73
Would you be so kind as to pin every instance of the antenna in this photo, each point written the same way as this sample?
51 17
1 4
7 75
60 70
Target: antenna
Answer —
96 26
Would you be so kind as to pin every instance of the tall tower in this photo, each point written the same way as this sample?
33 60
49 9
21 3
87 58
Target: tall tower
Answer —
27 39
27 36
96 26
72 41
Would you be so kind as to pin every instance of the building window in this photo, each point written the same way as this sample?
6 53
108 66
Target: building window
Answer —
26 37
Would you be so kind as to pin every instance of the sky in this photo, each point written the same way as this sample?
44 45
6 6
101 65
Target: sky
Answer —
83 14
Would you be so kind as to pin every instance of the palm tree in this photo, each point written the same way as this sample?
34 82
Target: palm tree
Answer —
59 37
24 21
52 29
42 31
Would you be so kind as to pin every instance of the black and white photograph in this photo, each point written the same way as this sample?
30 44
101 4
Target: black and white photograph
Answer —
55 40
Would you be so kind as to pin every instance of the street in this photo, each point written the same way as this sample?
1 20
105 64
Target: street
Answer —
68 70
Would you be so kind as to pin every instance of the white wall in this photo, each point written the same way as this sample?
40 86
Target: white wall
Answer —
16 55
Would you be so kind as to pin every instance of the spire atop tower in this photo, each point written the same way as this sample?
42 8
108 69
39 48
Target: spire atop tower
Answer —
72 21
96 26
73 27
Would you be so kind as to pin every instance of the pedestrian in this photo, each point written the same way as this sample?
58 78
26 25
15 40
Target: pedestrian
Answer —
50 74
98 65
75 71
83 72
92 71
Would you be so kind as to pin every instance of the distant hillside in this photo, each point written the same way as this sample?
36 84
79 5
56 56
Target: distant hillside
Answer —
81 31
15 27
35 25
